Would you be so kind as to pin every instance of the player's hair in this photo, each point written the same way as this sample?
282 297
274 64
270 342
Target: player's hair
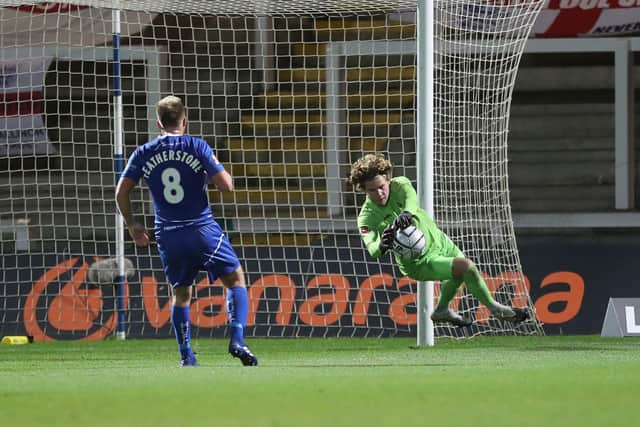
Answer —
367 168
170 111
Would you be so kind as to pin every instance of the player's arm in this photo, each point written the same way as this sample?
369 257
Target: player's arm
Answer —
222 181
218 176
411 204
137 231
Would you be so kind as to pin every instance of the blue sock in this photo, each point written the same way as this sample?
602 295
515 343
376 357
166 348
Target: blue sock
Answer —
182 328
237 311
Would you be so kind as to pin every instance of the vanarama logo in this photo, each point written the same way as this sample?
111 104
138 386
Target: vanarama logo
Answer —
61 305
68 308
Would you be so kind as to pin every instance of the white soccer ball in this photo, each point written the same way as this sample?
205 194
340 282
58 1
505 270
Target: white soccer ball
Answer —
409 243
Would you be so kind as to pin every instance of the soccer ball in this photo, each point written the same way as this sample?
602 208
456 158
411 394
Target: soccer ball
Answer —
409 243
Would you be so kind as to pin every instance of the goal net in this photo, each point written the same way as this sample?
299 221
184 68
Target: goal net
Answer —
289 94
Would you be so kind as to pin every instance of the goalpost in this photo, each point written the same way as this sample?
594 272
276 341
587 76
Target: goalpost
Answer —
289 93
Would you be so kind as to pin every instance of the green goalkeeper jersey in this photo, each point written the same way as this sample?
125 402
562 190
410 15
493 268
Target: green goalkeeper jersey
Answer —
374 219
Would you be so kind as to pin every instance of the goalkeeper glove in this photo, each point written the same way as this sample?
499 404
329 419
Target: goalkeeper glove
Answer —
403 220
386 241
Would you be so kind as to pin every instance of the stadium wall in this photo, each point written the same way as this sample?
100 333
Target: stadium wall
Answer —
573 276
571 280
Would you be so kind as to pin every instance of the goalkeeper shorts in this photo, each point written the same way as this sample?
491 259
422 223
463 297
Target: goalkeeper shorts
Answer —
434 266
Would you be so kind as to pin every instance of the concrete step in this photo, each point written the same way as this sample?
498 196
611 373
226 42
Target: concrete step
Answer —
287 100
213 56
273 239
561 144
553 193
315 75
362 28
383 125
277 170
275 211
275 143
561 108
564 78
356 118
294 197
550 157
312 49
296 157
586 125
578 205
300 144
585 173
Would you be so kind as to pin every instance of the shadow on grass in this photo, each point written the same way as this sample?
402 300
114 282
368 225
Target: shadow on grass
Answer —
362 365
570 347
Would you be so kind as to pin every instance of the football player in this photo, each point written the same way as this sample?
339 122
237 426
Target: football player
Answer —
177 169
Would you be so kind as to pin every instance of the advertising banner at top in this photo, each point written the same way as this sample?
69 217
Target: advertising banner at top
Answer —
74 25
558 18
598 18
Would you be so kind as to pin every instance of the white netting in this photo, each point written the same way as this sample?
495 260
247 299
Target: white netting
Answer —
289 93
479 45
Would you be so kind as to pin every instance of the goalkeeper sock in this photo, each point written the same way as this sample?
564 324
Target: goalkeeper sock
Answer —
237 310
448 290
478 287
182 328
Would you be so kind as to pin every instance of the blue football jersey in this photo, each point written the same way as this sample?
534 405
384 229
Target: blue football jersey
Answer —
176 169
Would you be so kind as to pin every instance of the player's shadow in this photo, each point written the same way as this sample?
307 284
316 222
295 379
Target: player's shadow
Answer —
366 365
569 347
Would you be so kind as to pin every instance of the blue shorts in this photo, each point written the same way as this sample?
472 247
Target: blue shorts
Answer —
187 251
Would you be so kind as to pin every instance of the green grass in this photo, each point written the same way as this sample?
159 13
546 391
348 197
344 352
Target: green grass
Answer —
499 381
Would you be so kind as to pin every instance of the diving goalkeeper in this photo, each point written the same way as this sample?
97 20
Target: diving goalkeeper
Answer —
392 203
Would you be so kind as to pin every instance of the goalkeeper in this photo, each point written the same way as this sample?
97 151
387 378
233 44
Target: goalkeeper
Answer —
392 203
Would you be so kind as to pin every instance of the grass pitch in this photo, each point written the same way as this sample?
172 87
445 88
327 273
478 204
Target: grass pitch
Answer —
497 381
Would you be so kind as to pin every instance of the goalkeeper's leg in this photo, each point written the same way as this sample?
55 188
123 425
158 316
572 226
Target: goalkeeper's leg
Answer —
478 288
442 312
440 267
453 269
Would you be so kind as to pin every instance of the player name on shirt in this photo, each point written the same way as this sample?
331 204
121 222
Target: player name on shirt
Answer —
171 155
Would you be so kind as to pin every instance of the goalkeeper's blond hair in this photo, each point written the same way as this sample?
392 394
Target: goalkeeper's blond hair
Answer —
367 168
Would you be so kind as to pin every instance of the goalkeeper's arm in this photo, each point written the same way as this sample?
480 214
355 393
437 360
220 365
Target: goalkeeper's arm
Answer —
377 244
411 203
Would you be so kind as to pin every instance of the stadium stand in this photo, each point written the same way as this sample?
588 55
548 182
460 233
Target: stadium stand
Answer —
561 145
